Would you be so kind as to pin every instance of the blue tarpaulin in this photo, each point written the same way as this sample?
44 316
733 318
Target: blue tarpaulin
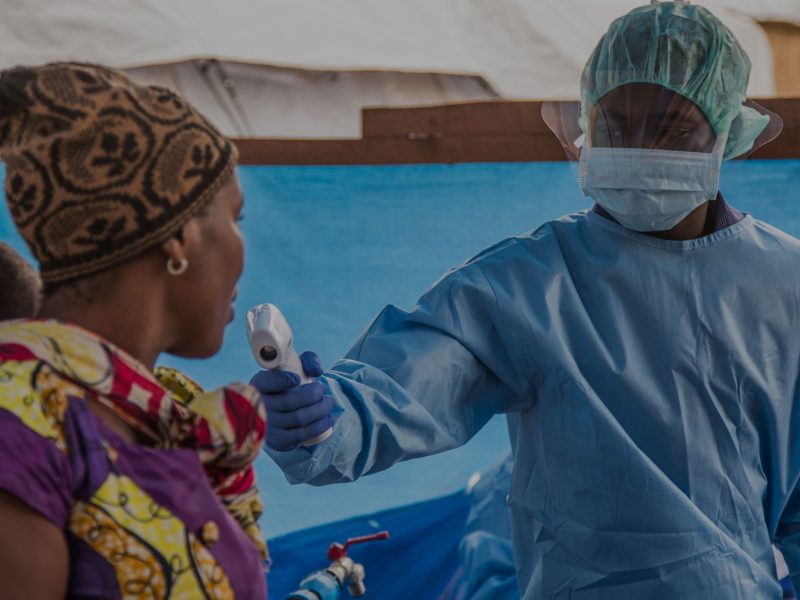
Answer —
331 245
419 560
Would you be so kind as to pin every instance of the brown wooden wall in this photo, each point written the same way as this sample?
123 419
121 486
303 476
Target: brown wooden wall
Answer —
785 41
494 131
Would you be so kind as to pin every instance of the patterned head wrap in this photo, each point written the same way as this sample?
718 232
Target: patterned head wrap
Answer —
99 168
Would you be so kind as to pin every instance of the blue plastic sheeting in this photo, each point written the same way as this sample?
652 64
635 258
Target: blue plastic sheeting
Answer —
333 245
420 559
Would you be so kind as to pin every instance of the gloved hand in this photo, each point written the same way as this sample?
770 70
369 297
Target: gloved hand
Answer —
295 413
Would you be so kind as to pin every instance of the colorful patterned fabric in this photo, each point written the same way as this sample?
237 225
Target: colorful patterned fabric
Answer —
99 168
173 520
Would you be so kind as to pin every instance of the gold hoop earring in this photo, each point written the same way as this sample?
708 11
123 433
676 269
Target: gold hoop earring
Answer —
178 268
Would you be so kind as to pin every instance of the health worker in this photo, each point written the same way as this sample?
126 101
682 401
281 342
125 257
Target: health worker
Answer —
645 351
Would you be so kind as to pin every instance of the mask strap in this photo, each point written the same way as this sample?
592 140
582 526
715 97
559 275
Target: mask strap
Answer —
717 154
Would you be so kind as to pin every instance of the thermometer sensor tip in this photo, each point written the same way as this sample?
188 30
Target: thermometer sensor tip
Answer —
268 353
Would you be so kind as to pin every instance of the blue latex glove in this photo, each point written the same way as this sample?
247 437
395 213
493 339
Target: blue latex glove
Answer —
295 413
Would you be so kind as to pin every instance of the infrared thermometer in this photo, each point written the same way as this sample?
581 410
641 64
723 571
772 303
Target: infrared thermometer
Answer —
271 342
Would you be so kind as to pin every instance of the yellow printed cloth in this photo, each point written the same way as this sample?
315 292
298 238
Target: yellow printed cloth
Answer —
176 518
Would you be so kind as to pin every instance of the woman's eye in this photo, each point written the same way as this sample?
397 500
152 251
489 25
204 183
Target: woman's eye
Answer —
240 218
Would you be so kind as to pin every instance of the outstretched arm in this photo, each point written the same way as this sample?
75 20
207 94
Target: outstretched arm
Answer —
417 383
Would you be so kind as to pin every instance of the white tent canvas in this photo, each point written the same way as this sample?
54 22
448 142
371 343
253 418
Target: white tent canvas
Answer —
305 68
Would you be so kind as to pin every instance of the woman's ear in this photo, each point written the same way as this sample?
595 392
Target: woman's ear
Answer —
174 249
182 245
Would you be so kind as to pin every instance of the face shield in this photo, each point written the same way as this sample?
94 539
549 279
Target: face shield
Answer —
563 118
662 105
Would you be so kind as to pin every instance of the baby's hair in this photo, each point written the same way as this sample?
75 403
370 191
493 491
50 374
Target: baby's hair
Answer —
20 286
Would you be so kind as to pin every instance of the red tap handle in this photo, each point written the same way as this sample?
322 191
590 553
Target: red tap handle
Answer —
337 551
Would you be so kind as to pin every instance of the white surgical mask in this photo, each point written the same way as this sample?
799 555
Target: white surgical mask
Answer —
650 190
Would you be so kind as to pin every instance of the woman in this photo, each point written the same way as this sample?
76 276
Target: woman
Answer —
118 480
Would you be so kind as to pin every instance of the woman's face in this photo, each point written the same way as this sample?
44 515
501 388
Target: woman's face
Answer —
202 298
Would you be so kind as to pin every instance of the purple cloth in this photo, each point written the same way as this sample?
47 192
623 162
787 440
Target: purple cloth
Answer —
723 215
36 472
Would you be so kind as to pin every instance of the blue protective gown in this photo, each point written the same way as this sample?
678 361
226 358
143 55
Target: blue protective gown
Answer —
486 552
651 390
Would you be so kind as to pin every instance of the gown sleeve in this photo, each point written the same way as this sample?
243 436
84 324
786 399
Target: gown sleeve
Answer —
420 382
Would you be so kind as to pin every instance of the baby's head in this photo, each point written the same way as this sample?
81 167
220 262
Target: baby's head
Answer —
19 292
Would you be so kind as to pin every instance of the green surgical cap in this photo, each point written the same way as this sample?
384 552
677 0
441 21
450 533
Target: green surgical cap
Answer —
687 50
